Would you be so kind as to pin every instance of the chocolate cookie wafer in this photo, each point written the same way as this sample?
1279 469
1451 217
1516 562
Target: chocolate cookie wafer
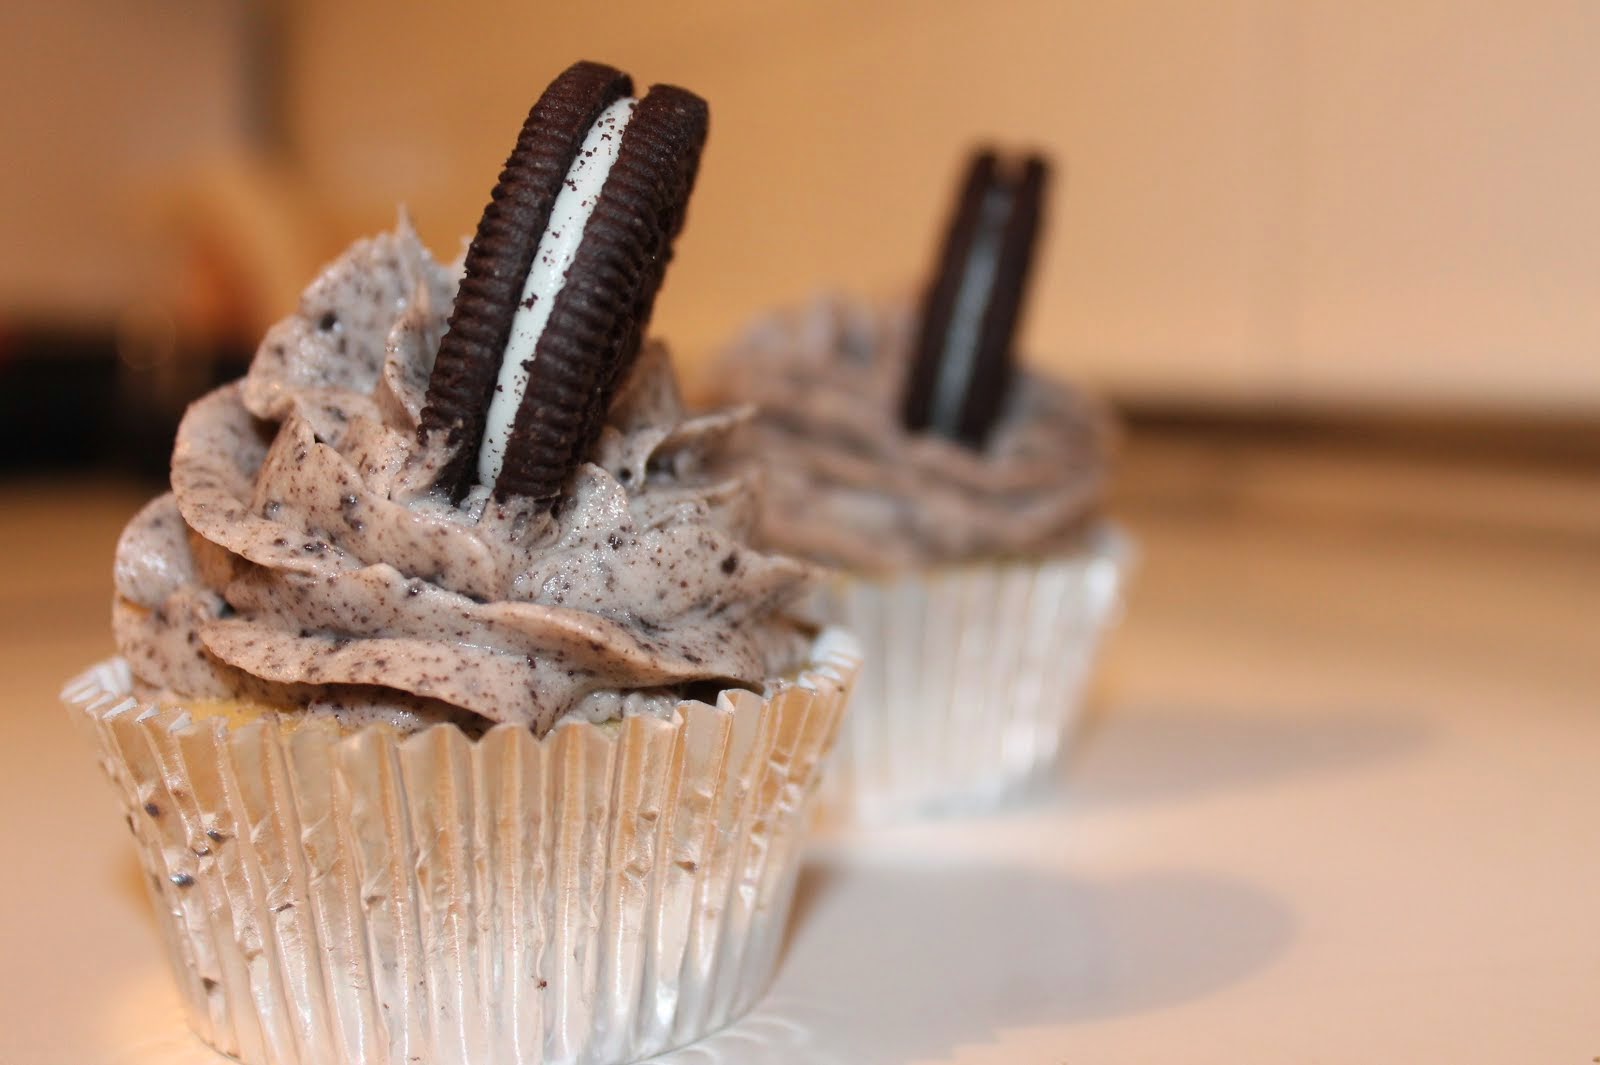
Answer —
963 359
560 281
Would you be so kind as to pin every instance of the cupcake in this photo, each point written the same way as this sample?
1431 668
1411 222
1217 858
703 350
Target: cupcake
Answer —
960 498
456 718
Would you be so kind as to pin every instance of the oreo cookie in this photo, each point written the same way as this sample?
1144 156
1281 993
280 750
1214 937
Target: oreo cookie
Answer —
560 280
964 355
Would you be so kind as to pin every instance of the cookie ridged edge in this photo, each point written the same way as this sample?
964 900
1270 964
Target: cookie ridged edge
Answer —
498 259
598 320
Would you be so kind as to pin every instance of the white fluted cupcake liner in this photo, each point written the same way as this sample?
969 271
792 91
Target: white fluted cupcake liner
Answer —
596 896
973 680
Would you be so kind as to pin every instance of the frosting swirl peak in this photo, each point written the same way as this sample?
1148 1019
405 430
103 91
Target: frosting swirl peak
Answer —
298 563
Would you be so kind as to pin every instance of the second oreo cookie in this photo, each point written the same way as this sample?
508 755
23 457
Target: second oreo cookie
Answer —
560 280
963 359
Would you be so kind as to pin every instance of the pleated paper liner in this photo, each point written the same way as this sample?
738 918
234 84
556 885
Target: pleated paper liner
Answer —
973 680
596 896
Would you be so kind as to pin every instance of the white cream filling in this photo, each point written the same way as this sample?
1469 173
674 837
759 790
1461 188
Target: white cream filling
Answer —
558 246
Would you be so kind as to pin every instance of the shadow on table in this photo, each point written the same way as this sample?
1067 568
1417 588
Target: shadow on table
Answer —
1158 753
891 964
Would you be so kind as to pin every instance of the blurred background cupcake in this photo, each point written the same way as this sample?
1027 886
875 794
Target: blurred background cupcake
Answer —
959 495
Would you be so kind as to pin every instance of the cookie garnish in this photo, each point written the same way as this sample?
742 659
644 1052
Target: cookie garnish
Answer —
964 358
560 281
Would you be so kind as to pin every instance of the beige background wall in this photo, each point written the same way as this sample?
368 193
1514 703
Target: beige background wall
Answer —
1308 200
101 101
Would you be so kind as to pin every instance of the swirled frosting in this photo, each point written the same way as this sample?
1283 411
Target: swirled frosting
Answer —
850 487
297 563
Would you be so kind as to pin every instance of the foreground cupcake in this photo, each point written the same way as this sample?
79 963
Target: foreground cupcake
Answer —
961 495
456 719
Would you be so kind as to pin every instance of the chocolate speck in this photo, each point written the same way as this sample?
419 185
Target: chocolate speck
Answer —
327 322
730 563
183 880
152 809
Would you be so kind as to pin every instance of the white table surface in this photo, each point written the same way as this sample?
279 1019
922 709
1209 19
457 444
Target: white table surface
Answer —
1339 802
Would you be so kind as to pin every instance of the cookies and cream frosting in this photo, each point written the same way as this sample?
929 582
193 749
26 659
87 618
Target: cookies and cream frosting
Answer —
297 563
849 486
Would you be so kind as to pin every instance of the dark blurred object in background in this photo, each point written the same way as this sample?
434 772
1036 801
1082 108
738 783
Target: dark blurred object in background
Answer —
94 400
57 400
